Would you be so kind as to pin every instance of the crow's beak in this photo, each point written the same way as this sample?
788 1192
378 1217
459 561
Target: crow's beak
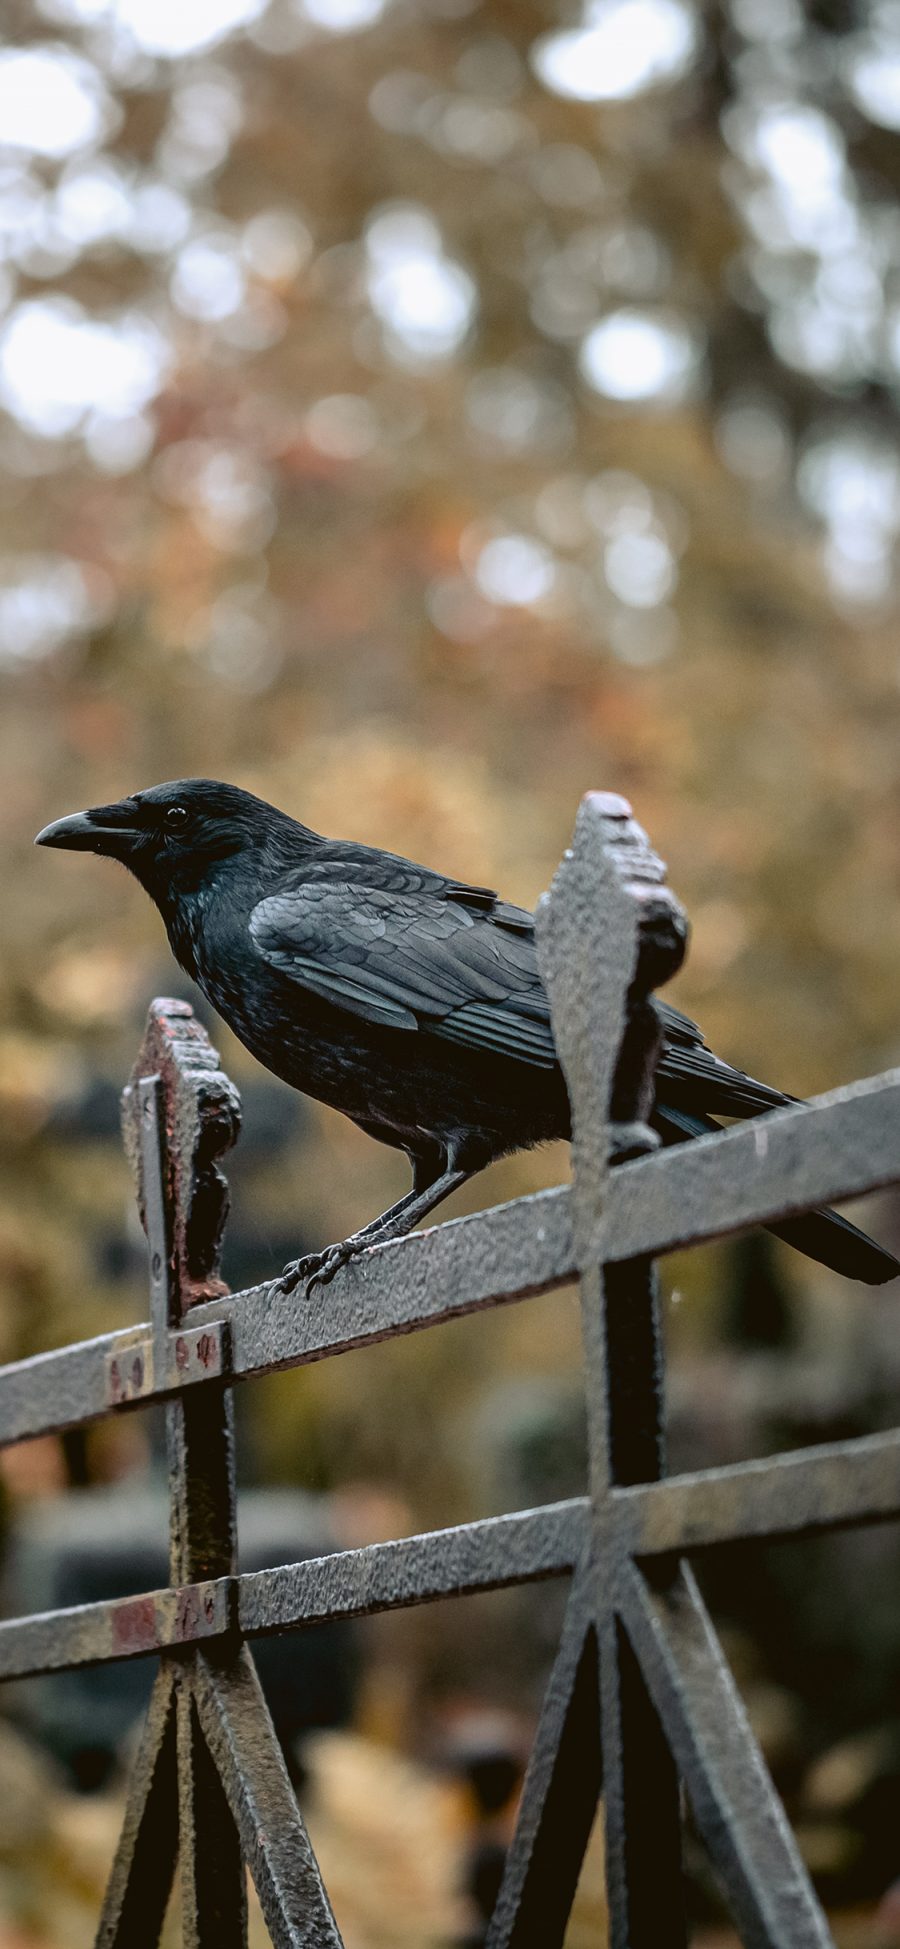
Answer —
105 829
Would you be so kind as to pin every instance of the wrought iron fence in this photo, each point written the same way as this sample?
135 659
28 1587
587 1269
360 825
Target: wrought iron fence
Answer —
639 1669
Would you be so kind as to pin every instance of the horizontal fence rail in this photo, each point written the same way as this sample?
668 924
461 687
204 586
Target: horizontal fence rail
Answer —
849 1144
813 1489
639 1672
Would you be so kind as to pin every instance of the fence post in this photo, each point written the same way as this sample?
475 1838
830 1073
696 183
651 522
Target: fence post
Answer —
235 1803
608 932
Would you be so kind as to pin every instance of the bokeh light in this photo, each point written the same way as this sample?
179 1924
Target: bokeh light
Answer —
52 101
624 47
636 356
173 28
425 301
58 364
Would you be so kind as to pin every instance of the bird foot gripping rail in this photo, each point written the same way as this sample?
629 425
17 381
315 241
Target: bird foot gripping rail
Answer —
639 1668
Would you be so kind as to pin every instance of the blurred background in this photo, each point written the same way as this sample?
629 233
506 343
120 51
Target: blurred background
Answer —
418 412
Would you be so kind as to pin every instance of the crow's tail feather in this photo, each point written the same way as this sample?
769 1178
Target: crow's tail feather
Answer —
823 1234
826 1236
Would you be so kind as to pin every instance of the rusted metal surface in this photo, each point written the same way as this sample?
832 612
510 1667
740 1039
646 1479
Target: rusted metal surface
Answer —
144 1367
559 1795
239 1736
838 1146
202 1119
501 1550
639 1670
123 1627
735 1806
213 1881
812 1489
607 931
137 1893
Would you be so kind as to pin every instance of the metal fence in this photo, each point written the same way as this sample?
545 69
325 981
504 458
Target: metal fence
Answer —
639 1669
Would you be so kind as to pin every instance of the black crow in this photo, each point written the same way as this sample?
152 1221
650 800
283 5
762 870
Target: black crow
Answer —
409 1001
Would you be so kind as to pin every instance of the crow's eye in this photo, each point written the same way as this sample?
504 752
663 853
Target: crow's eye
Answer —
177 817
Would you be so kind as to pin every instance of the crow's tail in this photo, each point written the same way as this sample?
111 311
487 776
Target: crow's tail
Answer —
823 1235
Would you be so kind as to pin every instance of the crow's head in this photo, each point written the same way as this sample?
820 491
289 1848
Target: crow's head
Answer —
171 835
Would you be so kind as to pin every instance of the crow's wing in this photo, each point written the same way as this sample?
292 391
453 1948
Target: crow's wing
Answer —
403 949
690 1079
397 946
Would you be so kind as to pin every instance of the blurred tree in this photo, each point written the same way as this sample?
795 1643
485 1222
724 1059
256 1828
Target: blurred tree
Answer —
420 411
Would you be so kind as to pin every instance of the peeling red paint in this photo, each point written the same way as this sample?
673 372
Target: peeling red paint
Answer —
134 1625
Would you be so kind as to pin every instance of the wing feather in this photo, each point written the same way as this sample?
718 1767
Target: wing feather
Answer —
418 953
690 1078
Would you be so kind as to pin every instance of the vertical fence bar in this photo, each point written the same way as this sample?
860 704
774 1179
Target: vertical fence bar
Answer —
180 1113
606 933
199 1434
642 1795
235 1800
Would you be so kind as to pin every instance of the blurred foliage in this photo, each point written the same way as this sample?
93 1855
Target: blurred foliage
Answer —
419 412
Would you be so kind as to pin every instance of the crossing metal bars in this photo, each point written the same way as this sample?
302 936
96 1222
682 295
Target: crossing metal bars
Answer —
639 1673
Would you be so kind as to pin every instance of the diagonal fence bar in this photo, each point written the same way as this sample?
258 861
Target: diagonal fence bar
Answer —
213 1881
735 1805
639 1669
137 1893
241 1741
559 1795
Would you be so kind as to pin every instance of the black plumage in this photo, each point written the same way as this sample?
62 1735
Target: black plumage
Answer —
410 1001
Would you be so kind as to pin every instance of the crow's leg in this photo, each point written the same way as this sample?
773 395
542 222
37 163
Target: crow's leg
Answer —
319 1267
301 1269
395 1223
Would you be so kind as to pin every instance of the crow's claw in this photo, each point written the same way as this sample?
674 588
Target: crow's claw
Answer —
318 1268
299 1272
331 1261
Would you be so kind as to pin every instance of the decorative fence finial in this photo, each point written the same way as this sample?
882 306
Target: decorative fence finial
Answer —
609 931
203 1119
